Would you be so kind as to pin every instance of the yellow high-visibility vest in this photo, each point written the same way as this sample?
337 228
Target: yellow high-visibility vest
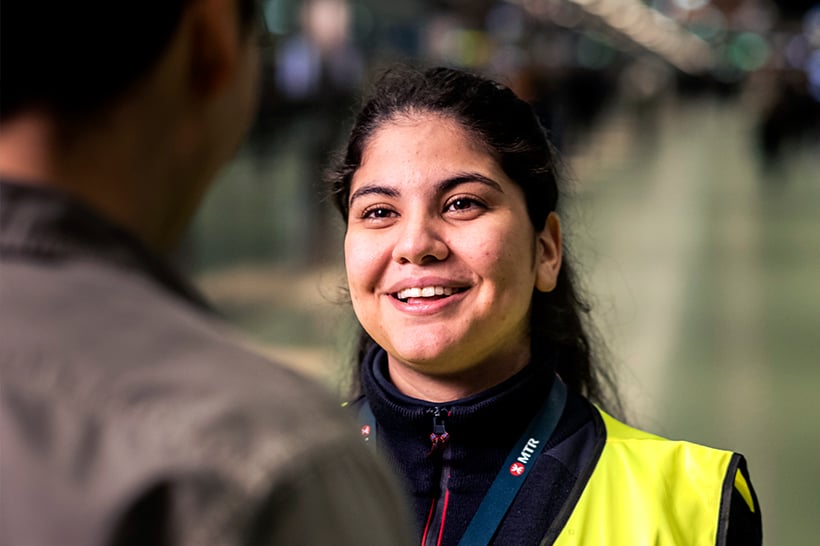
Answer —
649 491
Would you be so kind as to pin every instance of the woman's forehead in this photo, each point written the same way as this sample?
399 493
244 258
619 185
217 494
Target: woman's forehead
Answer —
411 122
423 143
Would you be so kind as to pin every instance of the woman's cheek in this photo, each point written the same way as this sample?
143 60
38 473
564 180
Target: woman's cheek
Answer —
360 262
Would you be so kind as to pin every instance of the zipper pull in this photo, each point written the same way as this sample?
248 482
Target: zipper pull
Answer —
439 436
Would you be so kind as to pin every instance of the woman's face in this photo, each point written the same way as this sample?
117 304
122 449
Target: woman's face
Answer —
441 256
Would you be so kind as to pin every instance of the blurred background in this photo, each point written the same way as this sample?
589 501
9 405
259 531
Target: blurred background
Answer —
691 132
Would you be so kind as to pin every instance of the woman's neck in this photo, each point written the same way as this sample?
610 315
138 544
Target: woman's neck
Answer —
436 388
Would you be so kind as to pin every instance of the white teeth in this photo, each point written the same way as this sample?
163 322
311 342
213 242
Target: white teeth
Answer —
409 293
426 292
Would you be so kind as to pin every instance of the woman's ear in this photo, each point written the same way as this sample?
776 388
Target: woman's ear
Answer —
548 254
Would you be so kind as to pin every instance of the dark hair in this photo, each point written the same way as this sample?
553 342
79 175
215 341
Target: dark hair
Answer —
74 58
510 130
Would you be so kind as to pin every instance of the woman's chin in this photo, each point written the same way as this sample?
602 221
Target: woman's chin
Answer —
430 362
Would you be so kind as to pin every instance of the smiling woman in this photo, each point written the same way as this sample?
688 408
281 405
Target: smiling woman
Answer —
475 359
437 259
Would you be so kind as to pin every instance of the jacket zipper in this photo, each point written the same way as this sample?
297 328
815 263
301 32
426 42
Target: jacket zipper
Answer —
439 440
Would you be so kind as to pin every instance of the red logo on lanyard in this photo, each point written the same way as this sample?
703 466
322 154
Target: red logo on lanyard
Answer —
366 430
516 469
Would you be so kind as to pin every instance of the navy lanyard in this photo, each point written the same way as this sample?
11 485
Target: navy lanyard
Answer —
513 472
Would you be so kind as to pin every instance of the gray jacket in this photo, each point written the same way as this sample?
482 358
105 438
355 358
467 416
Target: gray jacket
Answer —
130 415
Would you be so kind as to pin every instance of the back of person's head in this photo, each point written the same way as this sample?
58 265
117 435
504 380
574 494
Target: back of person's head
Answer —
71 59
510 131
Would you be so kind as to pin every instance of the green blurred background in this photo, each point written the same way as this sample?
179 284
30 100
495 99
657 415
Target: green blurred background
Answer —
691 130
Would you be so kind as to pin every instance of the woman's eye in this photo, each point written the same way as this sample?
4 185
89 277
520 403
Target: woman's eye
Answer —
378 212
463 204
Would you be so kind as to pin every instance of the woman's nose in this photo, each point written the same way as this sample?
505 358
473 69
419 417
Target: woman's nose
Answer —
420 242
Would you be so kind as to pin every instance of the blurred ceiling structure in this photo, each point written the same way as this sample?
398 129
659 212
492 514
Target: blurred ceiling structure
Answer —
721 41
643 25
697 37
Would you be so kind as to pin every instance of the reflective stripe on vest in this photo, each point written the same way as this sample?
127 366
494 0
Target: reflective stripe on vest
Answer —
646 490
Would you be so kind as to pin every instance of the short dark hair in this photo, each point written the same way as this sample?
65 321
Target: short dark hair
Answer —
73 58
509 129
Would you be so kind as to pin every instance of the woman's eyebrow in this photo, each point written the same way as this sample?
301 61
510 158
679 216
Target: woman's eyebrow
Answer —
464 178
387 191
442 187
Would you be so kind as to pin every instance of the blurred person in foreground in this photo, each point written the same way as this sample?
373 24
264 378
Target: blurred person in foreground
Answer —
128 413
478 374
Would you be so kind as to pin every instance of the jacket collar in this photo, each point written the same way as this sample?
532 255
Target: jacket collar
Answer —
503 410
41 223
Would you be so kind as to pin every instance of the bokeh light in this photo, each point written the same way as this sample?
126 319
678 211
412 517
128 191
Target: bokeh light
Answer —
749 51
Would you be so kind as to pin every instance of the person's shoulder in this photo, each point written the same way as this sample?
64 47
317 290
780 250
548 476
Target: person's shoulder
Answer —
113 346
243 443
116 319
